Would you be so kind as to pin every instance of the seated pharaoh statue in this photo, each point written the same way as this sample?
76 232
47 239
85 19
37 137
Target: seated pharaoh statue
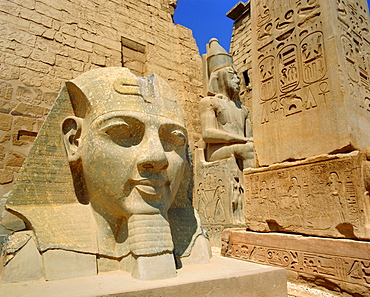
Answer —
106 185
226 129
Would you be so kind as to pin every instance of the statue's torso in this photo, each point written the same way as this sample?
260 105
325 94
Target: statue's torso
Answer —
230 117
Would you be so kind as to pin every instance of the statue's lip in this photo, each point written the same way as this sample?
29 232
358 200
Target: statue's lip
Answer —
150 186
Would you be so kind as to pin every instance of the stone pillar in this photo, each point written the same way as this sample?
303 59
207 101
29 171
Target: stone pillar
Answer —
310 68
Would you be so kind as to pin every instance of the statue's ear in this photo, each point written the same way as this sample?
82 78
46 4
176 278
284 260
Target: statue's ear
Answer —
71 128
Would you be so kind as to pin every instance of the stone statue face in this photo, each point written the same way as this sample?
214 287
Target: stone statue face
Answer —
133 162
127 142
234 80
225 81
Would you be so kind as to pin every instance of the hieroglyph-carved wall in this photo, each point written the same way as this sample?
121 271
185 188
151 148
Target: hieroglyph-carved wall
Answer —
311 88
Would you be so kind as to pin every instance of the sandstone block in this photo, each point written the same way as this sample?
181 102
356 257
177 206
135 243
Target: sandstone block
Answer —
44 56
6 176
23 260
8 221
78 54
2 153
32 78
6 90
24 109
84 45
49 98
38 66
10 72
5 137
5 122
60 264
14 159
23 50
23 130
36 29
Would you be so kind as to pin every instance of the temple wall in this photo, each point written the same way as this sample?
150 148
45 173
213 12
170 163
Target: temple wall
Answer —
240 49
309 62
44 43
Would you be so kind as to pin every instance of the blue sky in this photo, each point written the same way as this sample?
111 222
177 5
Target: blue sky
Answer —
207 19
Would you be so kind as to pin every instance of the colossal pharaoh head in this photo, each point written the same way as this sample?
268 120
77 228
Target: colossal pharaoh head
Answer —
109 173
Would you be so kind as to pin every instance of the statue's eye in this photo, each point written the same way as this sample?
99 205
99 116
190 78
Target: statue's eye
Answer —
118 132
177 138
125 133
172 138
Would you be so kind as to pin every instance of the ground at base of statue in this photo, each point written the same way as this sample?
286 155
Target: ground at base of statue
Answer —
221 275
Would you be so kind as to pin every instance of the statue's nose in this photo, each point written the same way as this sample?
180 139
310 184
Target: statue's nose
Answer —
153 156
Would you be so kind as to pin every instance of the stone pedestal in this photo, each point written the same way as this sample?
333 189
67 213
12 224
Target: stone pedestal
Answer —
215 279
340 265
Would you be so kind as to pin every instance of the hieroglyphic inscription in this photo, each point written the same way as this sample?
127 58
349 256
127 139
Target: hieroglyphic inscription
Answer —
322 198
325 266
355 40
345 269
291 54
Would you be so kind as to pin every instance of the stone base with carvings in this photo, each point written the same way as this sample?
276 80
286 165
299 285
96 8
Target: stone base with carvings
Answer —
218 195
215 279
340 265
326 196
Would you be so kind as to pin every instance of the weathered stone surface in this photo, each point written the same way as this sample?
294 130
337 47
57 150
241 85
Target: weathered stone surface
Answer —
310 78
5 122
77 198
6 176
213 279
323 196
21 261
14 159
9 222
6 90
338 264
59 264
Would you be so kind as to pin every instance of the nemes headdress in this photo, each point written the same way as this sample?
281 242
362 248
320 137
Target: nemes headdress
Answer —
109 89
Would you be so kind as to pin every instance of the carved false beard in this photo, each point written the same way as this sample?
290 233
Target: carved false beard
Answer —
149 234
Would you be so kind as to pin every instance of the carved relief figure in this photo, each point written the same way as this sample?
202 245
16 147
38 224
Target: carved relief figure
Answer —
126 153
225 125
237 201
202 203
339 203
218 198
295 192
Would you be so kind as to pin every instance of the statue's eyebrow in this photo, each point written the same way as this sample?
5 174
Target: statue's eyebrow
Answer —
109 116
175 125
